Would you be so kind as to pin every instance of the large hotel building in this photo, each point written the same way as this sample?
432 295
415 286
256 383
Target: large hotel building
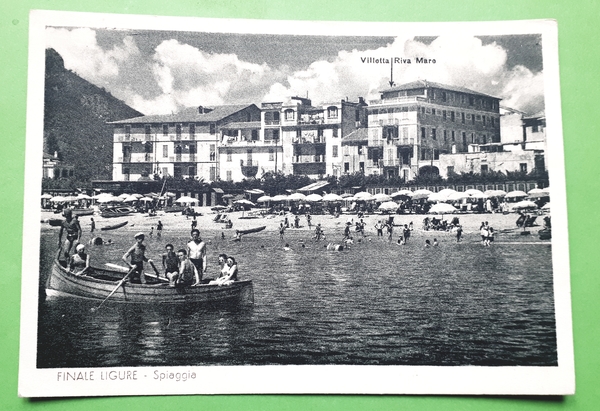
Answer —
419 127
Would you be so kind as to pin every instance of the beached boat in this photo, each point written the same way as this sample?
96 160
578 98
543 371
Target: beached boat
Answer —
56 222
252 230
83 211
174 209
545 234
118 211
114 226
99 283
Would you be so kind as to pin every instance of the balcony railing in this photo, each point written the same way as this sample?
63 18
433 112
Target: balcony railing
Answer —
396 100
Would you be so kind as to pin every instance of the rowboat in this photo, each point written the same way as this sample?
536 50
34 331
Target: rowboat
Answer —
252 230
114 226
83 211
55 222
99 283
116 211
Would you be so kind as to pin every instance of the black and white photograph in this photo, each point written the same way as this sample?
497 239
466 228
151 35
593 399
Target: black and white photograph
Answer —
223 206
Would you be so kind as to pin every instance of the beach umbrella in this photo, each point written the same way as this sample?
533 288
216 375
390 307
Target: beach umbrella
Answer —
296 197
58 199
546 207
346 195
439 196
363 195
170 194
146 199
83 197
263 199
538 193
314 198
388 206
186 199
495 193
516 194
422 193
106 199
525 204
442 208
401 193
46 196
457 196
381 198
280 197
446 191
474 193
130 199
244 202
332 197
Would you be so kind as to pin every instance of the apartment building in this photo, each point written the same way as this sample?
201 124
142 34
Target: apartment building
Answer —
184 144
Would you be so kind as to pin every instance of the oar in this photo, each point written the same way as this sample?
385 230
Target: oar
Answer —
116 288
124 269
155 270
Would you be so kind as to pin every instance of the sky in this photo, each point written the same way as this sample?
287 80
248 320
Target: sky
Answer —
160 72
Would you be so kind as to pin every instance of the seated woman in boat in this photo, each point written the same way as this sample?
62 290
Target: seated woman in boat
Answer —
80 261
230 271
223 269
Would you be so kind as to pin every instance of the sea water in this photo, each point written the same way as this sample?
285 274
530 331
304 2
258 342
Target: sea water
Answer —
375 303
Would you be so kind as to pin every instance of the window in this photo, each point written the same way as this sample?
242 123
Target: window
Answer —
165 171
212 152
148 147
165 151
452 116
335 132
423 133
165 128
229 155
450 170
404 133
229 178
472 138
289 114
462 118
271 154
443 96
147 129
483 119
444 115
471 100
445 135
213 173
192 149
249 156
534 128
484 139
453 136
433 111
433 134
523 167
492 120
464 137
212 128
254 135
484 168
127 130
357 115
192 130
178 131
346 167
191 171
335 151
332 112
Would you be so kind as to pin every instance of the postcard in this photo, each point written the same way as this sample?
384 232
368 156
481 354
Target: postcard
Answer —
232 206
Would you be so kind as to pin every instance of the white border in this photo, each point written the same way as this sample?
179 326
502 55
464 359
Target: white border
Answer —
315 379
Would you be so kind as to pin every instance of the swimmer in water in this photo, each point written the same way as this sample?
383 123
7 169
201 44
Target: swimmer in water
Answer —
427 243
286 247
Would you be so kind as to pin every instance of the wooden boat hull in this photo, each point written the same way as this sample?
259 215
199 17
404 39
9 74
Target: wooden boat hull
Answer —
114 226
55 222
252 230
63 283
83 211
116 212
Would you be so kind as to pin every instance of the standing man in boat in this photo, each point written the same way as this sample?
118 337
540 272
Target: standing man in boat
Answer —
197 252
138 255
73 229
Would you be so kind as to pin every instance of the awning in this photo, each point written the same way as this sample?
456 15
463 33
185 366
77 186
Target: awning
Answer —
311 188
218 191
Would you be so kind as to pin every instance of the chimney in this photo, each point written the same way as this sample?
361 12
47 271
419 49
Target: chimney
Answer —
200 110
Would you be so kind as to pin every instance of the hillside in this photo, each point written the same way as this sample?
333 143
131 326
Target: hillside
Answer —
75 116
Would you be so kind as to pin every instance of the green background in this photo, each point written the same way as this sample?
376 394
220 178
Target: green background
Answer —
579 32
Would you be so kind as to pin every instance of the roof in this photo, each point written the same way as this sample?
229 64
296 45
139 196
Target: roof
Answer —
360 135
426 84
314 186
188 115
242 125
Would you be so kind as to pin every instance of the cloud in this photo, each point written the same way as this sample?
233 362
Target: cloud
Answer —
459 61
81 53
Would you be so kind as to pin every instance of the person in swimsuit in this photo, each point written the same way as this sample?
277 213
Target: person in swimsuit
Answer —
159 227
170 261
231 274
188 273
196 252
80 261
137 252
73 230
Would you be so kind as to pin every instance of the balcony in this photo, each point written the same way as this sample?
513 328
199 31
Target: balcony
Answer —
272 122
234 142
395 162
396 100
249 168
309 168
